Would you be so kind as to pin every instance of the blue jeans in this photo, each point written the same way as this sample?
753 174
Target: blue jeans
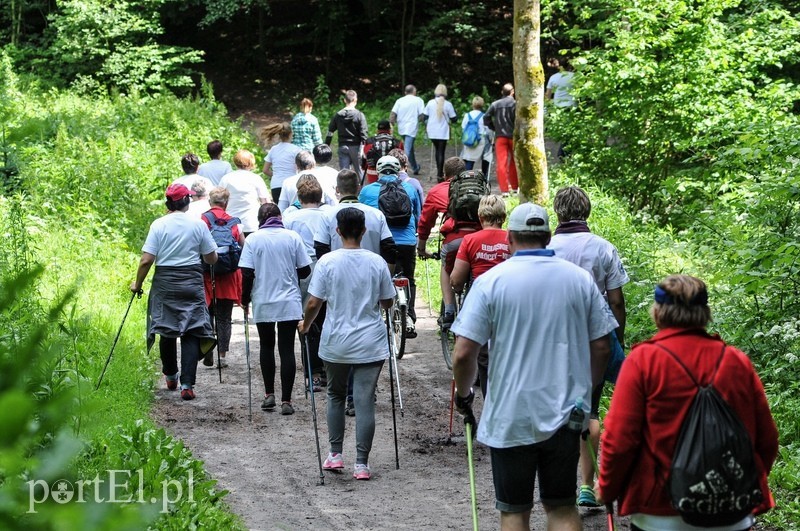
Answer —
408 146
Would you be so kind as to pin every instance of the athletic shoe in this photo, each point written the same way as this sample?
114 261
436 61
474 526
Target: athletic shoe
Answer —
446 319
361 471
411 331
350 408
208 359
286 408
172 383
586 497
269 403
333 462
318 384
187 394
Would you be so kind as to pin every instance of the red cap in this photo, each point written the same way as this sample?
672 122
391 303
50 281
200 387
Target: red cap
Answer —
177 191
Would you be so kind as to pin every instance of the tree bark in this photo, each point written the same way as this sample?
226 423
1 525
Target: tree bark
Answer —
529 150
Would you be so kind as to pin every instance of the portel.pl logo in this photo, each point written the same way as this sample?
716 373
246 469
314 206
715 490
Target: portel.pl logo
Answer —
122 486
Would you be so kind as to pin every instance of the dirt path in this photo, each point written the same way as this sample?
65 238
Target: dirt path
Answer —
270 465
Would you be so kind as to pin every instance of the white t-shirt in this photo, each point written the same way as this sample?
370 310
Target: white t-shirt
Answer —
538 313
246 189
289 187
353 281
375 221
281 156
306 222
275 254
198 208
189 180
475 152
595 255
438 127
561 85
214 170
408 108
178 239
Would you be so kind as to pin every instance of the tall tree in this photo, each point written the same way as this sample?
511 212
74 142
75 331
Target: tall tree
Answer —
529 150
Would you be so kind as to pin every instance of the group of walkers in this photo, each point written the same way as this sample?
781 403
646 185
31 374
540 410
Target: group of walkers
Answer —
541 329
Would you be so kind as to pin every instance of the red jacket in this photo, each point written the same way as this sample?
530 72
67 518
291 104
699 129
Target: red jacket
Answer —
652 396
436 203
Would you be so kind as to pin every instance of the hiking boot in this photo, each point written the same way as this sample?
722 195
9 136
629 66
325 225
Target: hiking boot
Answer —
187 394
172 381
333 462
350 408
586 497
269 403
361 471
411 331
208 359
286 408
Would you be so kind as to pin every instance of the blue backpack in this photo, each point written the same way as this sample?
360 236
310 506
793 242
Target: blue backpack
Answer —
471 136
228 249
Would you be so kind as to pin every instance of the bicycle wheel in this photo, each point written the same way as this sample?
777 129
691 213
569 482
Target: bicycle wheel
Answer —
448 343
400 321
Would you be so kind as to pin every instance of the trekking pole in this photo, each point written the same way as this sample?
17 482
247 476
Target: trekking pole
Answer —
303 356
473 495
391 387
247 356
113 345
216 321
393 361
313 408
610 505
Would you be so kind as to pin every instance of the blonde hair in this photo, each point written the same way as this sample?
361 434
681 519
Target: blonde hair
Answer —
244 160
477 103
686 305
492 210
306 105
283 130
219 196
440 90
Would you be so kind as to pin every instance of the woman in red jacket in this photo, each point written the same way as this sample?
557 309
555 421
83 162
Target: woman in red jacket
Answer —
653 394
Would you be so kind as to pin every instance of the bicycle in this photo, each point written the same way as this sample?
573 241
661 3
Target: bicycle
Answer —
447 337
399 312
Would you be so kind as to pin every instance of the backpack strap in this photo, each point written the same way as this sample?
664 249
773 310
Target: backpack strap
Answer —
210 217
686 369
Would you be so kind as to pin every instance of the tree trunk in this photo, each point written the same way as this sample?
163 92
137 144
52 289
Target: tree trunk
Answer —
529 151
403 45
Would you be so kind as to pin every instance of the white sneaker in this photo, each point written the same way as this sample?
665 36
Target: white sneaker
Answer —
333 462
361 472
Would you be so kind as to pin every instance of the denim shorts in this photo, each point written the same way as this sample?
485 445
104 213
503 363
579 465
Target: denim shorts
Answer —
555 461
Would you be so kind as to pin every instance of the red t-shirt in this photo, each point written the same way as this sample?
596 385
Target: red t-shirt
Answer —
483 250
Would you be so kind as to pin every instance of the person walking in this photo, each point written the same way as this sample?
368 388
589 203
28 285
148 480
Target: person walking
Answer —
190 163
547 326
653 395
248 191
305 127
376 147
405 113
500 118
305 163
176 305
353 336
227 287
573 241
273 262
279 163
216 168
478 152
439 114
351 126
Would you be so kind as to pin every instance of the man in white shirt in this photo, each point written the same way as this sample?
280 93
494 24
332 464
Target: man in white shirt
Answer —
559 86
216 168
306 164
405 114
547 326
190 163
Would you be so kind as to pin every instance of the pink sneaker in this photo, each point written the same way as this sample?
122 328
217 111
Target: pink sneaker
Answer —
361 471
333 462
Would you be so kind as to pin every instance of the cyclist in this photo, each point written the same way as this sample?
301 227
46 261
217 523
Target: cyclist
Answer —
478 253
451 231
405 237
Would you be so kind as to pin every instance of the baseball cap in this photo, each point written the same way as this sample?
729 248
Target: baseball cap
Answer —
176 192
529 217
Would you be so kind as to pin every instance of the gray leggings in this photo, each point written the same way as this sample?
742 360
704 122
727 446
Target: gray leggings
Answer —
365 380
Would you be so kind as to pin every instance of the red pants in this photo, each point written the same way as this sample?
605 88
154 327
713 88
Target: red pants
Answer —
506 169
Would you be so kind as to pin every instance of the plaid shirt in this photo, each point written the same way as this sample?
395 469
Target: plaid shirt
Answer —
305 131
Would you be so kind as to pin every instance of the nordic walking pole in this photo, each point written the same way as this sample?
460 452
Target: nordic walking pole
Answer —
393 361
472 493
391 387
313 408
113 345
216 321
247 356
609 506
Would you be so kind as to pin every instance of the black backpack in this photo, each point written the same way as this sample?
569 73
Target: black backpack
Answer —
228 249
395 203
382 144
713 480
466 191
